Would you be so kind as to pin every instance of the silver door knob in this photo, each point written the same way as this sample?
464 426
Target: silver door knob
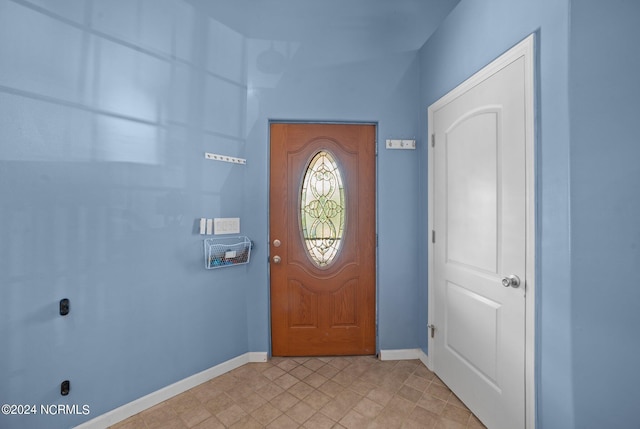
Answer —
512 280
276 243
277 259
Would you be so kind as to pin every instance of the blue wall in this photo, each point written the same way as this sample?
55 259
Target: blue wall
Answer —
605 211
106 109
472 35
588 239
105 114
350 72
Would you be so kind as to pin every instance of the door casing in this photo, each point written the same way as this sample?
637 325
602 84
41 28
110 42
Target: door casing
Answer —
377 274
526 49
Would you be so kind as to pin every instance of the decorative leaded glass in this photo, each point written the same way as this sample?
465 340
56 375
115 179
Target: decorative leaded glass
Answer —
322 209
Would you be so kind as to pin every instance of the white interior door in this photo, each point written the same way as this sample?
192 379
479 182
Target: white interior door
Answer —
480 215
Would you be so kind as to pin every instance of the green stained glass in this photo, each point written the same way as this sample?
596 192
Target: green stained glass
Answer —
322 209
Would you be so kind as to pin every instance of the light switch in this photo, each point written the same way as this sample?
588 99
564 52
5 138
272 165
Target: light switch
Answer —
226 225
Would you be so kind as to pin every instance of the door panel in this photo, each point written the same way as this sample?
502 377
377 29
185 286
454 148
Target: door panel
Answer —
480 217
323 287
472 202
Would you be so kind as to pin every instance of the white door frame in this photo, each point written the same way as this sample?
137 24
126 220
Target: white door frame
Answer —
523 49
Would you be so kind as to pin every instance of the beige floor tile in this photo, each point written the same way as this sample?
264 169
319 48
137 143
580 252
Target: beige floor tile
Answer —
210 423
181 403
355 420
456 414
417 382
455 401
205 392
219 403
239 392
314 364
387 420
368 408
431 403
341 404
340 362
288 364
154 416
380 395
315 380
301 390
256 382
251 402
440 392
134 422
284 401
444 423
317 399
331 388
474 423
344 378
399 406
437 381
273 373
335 410
328 371
269 391
362 387
424 372
193 416
286 381
283 422
409 393
231 415
423 417
301 372
247 422
266 414
301 412
314 393
319 421
171 424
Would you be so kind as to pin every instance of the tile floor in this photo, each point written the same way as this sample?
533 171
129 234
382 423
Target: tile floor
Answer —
325 392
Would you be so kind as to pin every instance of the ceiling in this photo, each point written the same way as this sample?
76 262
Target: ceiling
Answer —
398 25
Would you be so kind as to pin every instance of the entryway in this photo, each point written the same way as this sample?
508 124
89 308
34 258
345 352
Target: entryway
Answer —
322 239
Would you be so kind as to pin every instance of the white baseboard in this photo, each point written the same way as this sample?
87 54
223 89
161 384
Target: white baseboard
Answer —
405 354
424 358
132 408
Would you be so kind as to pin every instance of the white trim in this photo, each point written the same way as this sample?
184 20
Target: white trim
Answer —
425 359
256 357
405 354
523 49
400 354
127 410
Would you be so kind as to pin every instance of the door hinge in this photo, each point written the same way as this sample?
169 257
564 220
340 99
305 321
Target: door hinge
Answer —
433 236
433 140
432 330
376 240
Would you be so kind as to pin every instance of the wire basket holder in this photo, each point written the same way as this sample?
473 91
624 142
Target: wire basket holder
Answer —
226 252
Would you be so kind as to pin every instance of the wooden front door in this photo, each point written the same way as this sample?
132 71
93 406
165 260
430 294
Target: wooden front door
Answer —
322 239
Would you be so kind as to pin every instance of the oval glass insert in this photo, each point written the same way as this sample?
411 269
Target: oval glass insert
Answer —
322 209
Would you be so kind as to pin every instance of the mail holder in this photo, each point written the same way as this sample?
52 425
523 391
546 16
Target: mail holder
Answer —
226 252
